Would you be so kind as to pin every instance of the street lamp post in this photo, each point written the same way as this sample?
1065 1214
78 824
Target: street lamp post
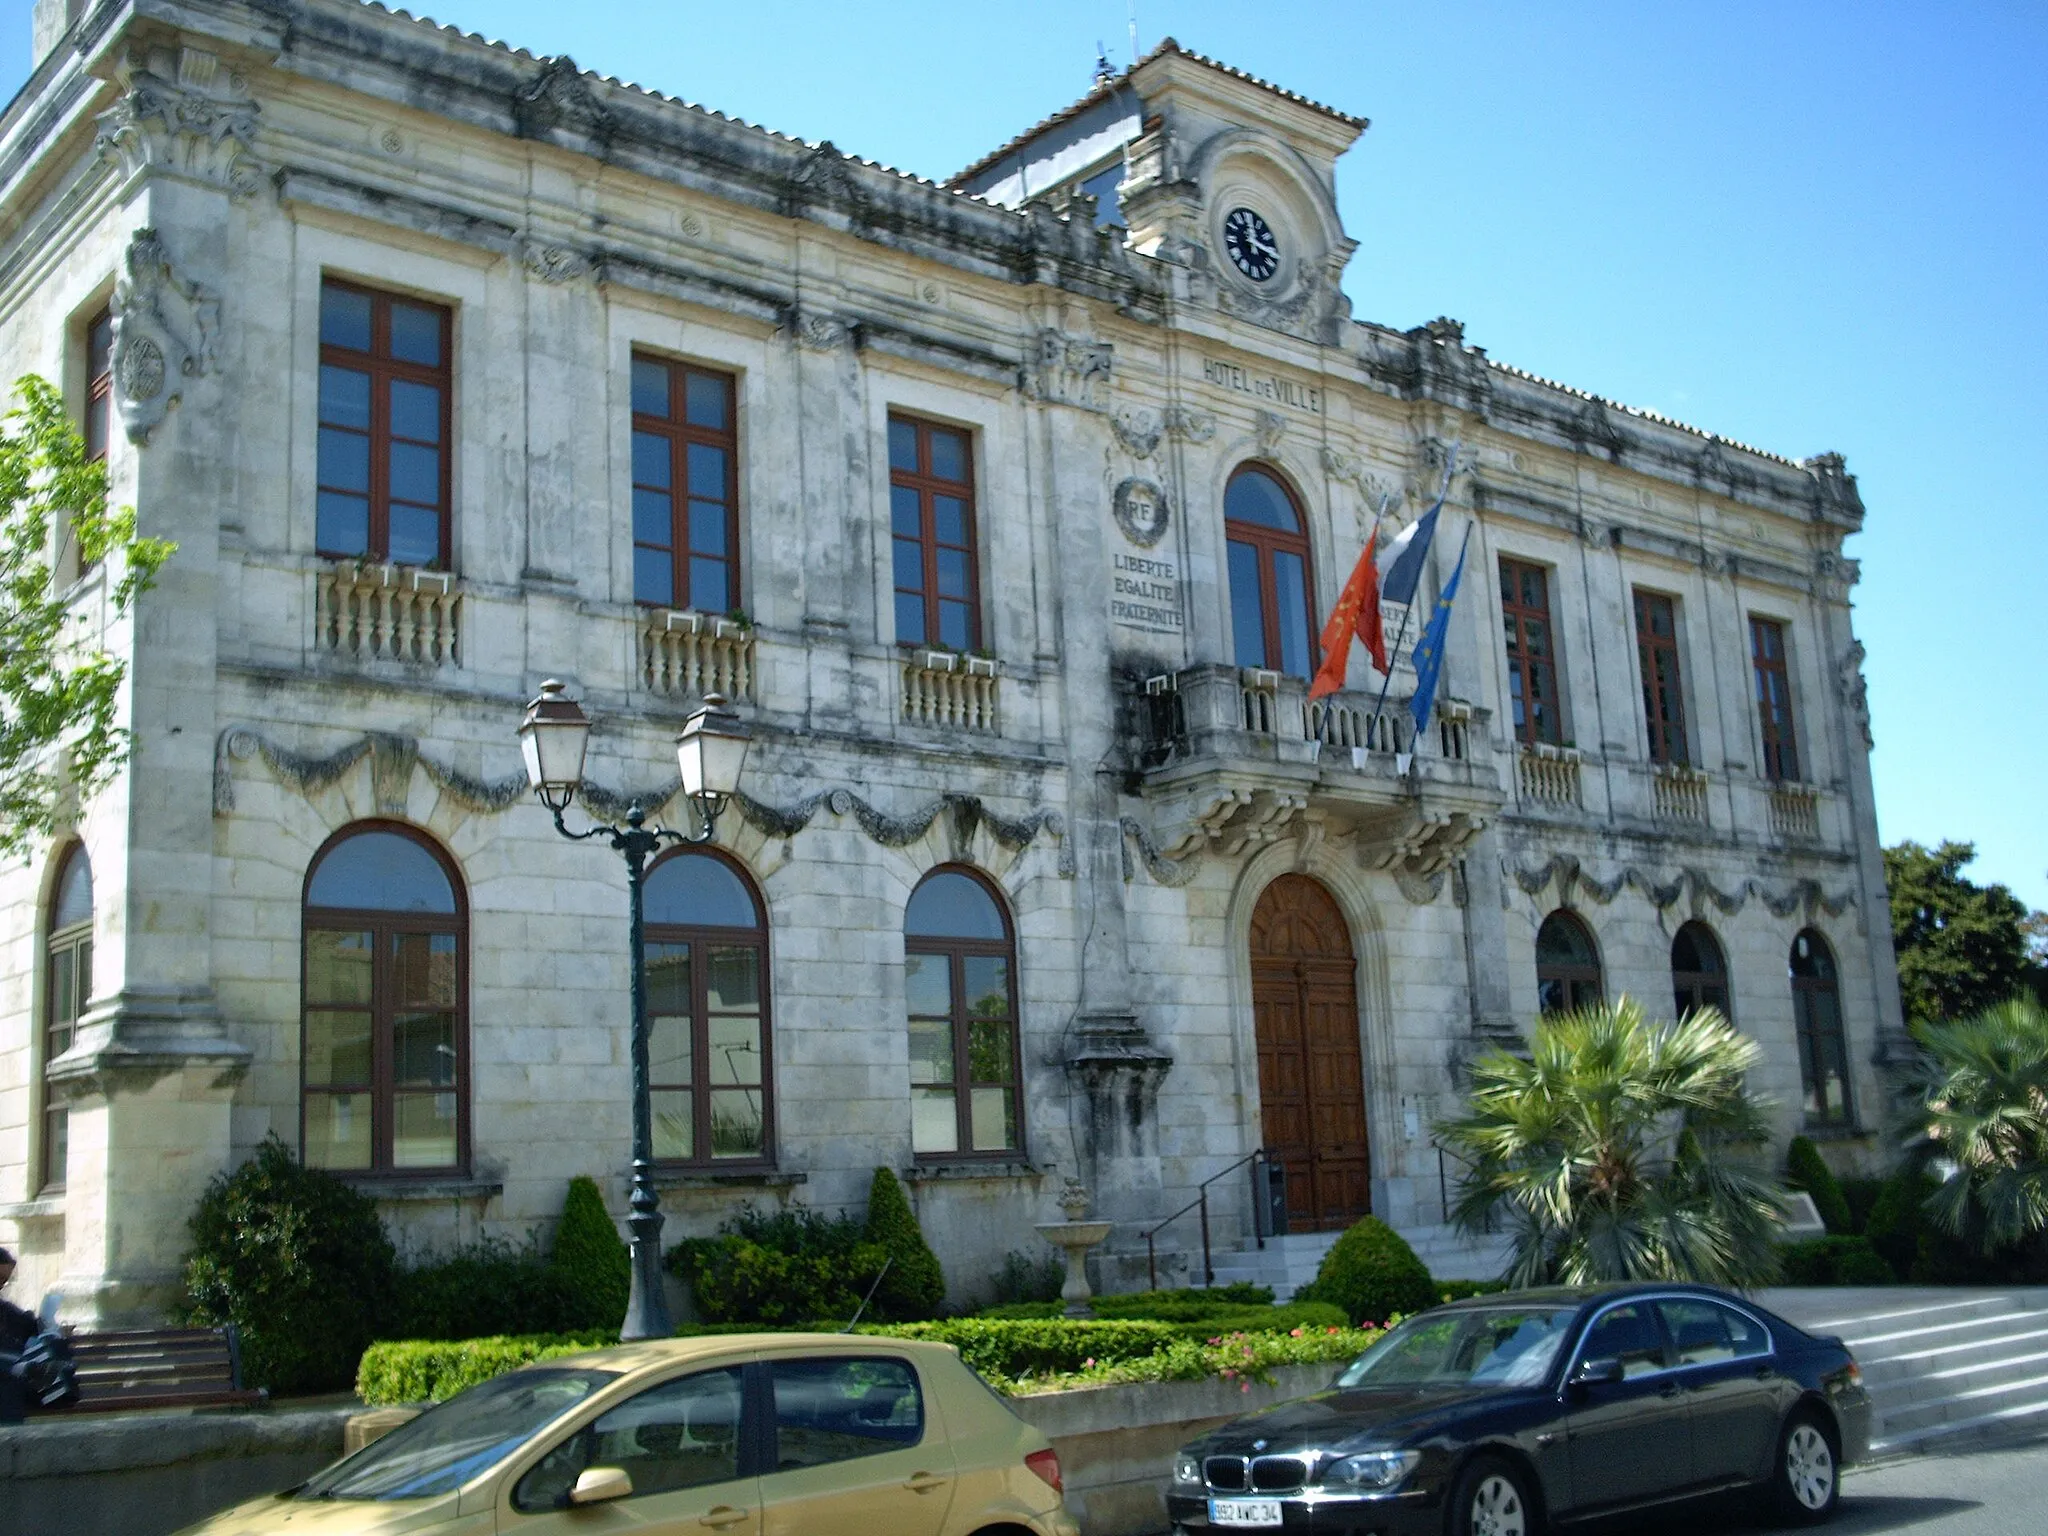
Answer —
553 736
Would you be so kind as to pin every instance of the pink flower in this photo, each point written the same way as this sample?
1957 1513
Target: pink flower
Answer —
1087 1364
1294 1333
1246 1387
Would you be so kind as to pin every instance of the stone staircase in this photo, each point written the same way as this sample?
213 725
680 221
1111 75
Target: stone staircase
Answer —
1945 1366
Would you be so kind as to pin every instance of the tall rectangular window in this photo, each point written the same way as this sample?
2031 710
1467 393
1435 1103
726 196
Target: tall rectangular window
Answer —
383 460
1663 700
1774 700
686 504
931 523
1532 652
99 383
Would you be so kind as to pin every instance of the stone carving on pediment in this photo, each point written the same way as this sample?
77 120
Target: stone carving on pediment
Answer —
1689 885
817 331
181 113
1835 574
1138 431
1420 890
1853 691
1315 308
1142 511
1189 423
1068 370
1350 469
822 178
1163 870
164 330
1834 487
554 264
560 97
1270 427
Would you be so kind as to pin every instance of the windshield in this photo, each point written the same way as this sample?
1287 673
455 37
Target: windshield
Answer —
1497 1346
448 1445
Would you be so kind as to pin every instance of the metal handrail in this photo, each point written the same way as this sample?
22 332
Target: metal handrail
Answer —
1202 1200
1443 1186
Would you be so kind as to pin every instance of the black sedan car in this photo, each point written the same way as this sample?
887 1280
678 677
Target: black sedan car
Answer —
1494 1416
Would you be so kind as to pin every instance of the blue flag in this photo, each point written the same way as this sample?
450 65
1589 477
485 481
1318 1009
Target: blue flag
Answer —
1429 650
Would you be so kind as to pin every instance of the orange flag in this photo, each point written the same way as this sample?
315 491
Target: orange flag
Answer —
1357 612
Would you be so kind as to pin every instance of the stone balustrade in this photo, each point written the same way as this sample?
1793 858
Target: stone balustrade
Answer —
1680 794
950 692
390 612
1795 811
690 655
1548 775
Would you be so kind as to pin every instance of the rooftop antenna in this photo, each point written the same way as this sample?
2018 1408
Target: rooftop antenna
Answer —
1104 70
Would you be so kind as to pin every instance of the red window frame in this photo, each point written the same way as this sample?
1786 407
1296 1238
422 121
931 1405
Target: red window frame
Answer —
1265 542
99 383
928 485
1532 669
1774 700
679 432
384 1007
1663 692
384 369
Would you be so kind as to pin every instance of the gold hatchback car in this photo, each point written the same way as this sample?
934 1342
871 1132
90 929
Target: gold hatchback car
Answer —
744 1435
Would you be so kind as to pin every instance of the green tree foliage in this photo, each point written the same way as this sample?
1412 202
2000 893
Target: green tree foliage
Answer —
298 1262
1962 947
1898 1220
1571 1152
591 1259
1806 1169
1372 1274
58 687
486 1289
915 1287
785 1267
1981 1093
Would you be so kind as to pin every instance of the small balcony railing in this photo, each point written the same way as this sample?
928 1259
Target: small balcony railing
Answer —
689 655
943 690
1795 811
388 612
1548 775
1680 793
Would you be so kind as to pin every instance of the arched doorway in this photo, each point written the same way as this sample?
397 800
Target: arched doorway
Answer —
1311 1078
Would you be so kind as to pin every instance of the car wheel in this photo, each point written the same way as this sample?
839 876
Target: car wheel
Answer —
1807 1479
1492 1499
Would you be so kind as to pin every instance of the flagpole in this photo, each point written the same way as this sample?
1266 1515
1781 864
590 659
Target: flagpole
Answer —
1394 655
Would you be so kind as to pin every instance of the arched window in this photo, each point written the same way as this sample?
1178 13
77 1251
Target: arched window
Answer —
67 986
960 978
1269 574
385 1052
1699 974
1817 1018
1567 965
707 1010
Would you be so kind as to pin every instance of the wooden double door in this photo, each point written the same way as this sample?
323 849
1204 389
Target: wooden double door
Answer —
1311 1077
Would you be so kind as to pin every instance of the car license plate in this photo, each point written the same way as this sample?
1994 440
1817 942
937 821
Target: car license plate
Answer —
1244 1511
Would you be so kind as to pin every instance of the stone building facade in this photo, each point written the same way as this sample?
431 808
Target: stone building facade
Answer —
1008 511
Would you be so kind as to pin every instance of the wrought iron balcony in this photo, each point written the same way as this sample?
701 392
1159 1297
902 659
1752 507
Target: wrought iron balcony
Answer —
1231 756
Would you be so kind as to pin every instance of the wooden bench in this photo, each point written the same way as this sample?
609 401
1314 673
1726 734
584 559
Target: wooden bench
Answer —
160 1368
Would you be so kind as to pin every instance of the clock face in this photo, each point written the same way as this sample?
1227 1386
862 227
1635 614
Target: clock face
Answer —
1251 244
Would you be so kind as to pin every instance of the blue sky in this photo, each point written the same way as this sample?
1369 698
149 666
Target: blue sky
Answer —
1808 227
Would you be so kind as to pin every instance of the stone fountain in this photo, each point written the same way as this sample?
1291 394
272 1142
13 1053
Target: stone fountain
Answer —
1076 1237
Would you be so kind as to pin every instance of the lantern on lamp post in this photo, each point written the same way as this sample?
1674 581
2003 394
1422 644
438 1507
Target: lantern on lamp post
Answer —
554 736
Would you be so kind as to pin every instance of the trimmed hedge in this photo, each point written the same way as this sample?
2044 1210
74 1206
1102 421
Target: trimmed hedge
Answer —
914 1287
779 1269
1372 1274
1834 1261
434 1370
484 1290
1806 1169
1194 1322
1015 1347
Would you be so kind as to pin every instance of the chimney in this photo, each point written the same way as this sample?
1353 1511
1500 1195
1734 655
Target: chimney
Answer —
53 20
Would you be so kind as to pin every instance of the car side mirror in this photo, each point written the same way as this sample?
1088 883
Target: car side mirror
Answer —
600 1485
1601 1369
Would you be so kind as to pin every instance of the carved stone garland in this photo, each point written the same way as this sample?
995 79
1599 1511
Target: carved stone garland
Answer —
1572 879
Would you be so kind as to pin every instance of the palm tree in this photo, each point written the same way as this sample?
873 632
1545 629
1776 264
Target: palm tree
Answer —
1982 1112
1608 1152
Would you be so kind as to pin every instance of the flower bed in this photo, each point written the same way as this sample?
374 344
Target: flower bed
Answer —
1016 1356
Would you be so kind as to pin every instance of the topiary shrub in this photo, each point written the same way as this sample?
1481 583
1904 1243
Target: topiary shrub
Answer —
298 1262
591 1262
1806 1169
1899 1217
1861 1196
794 1266
1834 1261
486 1290
1372 1274
914 1287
